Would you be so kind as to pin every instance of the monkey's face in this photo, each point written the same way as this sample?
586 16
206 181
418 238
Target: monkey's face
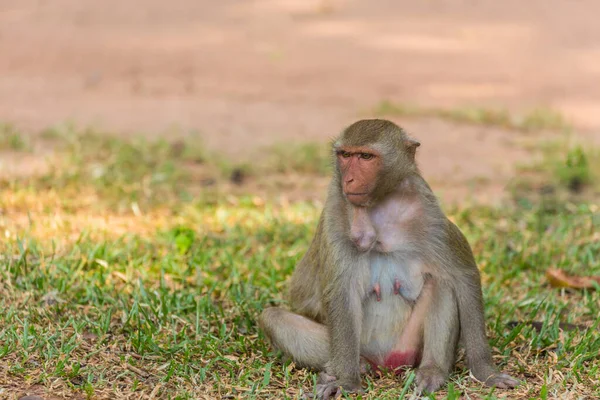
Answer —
359 168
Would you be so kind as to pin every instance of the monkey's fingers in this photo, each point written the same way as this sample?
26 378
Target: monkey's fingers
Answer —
502 381
498 380
331 390
324 377
429 379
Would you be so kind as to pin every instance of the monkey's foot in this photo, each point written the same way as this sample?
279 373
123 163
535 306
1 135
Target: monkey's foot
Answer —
330 390
430 378
328 387
502 381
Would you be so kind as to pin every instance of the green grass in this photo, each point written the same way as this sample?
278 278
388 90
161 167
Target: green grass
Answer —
102 303
12 139
538 119
133 171
307 158
564 170
125 171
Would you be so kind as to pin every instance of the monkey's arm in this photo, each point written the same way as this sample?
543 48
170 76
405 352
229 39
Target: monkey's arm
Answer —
471 312
343 308
343 321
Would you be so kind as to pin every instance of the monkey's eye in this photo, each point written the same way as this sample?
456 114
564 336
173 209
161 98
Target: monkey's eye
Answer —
366 156
344 154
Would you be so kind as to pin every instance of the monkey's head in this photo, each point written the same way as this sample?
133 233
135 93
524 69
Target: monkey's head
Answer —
372 157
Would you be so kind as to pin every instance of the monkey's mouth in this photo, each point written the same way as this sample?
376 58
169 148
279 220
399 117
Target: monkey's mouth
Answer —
358 199
356 194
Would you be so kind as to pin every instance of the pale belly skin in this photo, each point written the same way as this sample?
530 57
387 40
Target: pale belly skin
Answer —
397 298
392 330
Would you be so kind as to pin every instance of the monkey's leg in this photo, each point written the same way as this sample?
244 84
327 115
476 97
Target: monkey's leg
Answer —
474 339
441 330
467 289
298 337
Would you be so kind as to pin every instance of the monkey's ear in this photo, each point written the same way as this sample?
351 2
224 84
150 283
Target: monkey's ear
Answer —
411 147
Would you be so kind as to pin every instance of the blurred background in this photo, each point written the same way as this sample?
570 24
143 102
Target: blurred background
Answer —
480 83
244 76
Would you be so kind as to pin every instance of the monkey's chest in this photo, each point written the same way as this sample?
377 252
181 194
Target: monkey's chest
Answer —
394 226
395 275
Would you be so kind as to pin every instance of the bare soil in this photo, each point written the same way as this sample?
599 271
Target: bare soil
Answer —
246 74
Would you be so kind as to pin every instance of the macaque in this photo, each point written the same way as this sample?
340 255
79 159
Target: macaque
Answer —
388 280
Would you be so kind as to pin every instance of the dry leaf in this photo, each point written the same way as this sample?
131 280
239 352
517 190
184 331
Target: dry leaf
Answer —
560 279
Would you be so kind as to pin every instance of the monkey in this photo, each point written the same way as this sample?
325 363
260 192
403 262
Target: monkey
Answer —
388 280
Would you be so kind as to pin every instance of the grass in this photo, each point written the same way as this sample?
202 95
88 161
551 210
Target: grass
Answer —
123 172
565 170
101 302
12 139
307 158
126 171
538 119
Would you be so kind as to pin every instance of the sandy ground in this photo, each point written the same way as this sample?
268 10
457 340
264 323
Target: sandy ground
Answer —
246 74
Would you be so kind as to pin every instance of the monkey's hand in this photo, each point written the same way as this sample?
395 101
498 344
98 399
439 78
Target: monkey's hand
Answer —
329 387
490 376
430 378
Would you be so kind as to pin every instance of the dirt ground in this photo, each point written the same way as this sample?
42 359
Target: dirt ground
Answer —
246 74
